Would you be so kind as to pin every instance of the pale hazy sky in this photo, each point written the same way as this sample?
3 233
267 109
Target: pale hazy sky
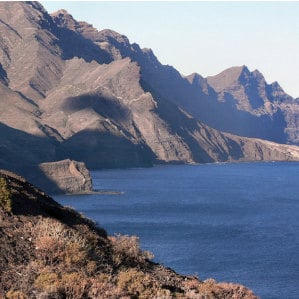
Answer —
205 37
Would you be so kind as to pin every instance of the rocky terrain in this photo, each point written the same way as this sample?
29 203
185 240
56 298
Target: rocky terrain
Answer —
69 91
49 251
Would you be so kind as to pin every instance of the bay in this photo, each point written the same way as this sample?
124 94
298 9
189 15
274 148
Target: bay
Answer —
234 222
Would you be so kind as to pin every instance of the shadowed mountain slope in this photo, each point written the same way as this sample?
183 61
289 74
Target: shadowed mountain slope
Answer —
82 94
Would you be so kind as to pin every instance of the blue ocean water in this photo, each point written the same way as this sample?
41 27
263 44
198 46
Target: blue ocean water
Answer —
232 222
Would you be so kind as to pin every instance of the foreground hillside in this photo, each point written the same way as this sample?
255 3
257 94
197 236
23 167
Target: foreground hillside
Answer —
49 251
71 92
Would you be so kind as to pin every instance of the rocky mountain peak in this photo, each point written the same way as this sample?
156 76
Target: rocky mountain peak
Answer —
36 5
277 93
258 75
228 77
147 55
243 70
248 78
64 19
195 78
197 81
120 38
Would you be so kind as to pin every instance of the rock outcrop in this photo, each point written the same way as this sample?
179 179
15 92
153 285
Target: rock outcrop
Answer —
69 176
69 91
50 251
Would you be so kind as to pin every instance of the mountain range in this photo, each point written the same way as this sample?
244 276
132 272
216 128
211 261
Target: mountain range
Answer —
70 91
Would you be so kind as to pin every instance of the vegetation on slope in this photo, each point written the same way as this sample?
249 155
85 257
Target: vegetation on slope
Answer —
51 251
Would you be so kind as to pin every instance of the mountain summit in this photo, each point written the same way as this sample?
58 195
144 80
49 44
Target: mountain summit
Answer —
74 93
249 89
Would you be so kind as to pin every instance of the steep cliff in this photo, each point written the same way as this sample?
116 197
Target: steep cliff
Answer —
259 107
69 176
69 91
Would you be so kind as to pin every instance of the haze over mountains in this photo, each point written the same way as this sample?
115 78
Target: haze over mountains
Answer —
69 91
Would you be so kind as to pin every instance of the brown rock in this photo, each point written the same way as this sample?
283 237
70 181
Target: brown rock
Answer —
69 176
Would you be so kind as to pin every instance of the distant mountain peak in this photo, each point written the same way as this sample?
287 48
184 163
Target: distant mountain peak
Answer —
257 73
235 72
120 38
64 19
195 78
61 12
228 77
241 69
34 4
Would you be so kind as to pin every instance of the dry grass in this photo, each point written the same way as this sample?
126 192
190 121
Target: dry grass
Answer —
71 262
5 196
126 250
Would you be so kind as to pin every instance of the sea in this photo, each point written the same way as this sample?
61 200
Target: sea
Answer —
234 222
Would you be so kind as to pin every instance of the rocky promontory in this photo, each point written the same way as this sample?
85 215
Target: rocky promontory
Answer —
50 251
68 175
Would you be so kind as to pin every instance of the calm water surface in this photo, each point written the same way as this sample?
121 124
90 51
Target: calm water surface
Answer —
232 222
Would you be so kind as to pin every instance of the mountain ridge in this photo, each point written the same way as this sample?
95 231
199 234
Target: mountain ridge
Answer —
90 95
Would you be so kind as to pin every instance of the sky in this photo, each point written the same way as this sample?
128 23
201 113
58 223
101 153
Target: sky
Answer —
205 37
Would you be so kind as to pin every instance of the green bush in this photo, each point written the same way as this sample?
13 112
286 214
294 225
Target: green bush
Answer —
5 196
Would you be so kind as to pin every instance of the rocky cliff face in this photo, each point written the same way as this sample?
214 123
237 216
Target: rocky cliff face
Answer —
69 176
243 103
266 107
50 251
69 91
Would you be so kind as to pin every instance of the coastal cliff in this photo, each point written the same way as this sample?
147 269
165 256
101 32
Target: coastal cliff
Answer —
50 251
69 176
72 92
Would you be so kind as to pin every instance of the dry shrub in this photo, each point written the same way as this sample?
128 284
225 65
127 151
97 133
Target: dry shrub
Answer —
5 196
73 285
211 289
190 283
68 285
126 249
49 250
47 282
26 276
236 291
75 254
102 287
57 243
15 295
91 268
208 288
53 228
137 283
